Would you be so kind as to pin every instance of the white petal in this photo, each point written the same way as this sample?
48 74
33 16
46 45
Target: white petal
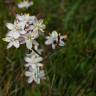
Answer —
22 32
16 44
7 39
36 47
35 21
21 5
39 59
21 25
10 45
53 46
25 4
43 26
47 37
36 44
40 21
30 65
13 34
19 17
27 73
34 67
41 29
27 59
10 26
30 80
29 44
61 43
54 34
48 42
37 80
62 37
27 65
16 35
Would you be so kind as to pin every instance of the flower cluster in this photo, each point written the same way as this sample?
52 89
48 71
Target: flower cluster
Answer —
35 68
25 4
24 30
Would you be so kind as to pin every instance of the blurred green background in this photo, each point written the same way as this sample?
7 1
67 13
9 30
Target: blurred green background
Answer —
71 70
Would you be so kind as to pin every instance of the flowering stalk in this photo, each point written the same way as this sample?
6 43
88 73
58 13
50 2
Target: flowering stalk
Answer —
25 30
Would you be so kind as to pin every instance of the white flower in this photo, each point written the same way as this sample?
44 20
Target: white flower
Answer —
29 39
13 34
38 25
25 4
13 30
52 39
55 39
17 28
61 41
26 18
12 42
25 30
33 58
34 72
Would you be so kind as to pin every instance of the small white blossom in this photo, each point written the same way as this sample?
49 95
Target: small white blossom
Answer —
34 72
25 4
26 18
17 28
12 42
61 41
30 39
55 39
52 39
13 35
38 25
33 58
13 30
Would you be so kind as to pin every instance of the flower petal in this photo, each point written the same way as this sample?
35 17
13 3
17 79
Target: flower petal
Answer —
48 42
10 26
53 46
16 44
29 44
28 73
27 59
39 59
61 43
7 39
54 34
10 45
30 80
13 34
22 32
